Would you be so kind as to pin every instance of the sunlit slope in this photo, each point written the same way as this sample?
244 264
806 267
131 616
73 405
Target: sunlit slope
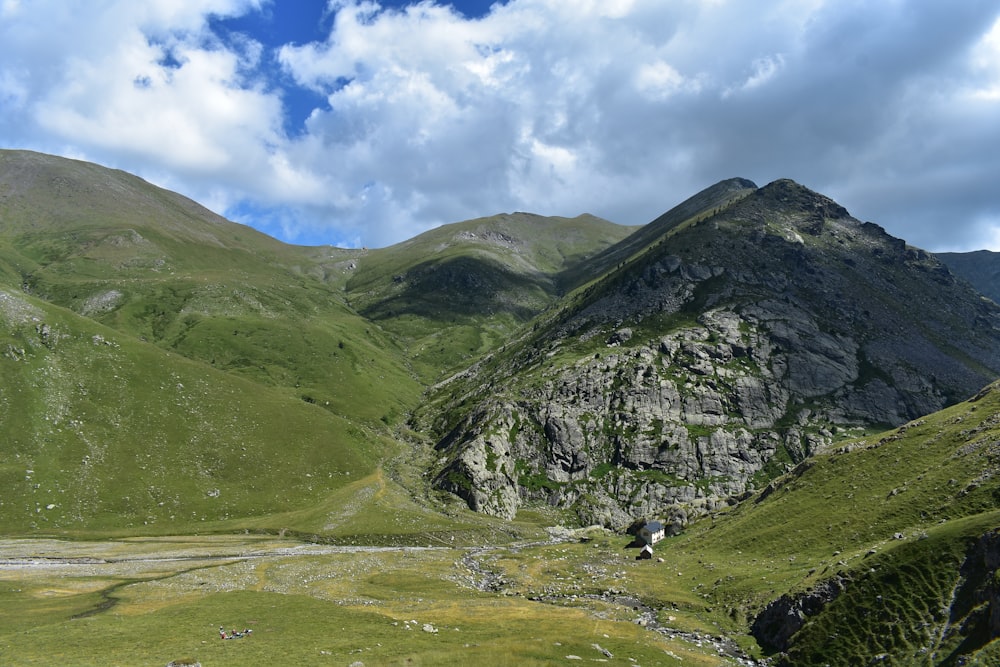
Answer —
157 266
102 432
903 523
105 433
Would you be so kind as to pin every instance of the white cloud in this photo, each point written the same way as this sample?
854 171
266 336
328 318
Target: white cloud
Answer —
658 79
986 62
618 108
763 70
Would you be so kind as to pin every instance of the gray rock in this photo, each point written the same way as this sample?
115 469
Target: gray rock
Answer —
807 322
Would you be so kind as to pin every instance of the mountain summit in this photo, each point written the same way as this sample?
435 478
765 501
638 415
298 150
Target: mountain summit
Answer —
608 370
735 336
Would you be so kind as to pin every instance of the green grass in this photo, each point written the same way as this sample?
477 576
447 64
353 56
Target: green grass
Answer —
165 372
903 605
307 610
117 434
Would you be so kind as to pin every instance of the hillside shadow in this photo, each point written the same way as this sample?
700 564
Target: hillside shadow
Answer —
463 287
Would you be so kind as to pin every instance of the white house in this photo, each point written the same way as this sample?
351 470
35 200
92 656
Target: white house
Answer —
652 532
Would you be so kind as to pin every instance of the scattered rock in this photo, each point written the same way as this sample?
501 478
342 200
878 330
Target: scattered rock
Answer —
606 652
621 336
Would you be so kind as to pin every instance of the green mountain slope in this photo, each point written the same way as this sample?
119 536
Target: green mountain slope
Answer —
155 265
458 291
103 432
885 546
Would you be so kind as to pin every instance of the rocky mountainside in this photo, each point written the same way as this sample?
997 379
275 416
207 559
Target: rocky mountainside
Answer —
981 268
746 336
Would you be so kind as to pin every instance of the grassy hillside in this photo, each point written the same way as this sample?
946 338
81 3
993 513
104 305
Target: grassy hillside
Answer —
458 291
168 370
895 516
103 432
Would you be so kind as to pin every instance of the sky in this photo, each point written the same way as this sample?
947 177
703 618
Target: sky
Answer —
360 123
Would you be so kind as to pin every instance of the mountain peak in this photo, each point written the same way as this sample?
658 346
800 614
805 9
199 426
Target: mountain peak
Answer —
784 194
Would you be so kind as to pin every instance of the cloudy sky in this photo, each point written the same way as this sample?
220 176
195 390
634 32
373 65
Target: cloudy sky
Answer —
354 123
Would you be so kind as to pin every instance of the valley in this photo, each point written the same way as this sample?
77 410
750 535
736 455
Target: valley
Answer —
316 605
437 453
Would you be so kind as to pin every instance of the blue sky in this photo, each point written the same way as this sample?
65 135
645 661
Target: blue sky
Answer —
301 22
351 122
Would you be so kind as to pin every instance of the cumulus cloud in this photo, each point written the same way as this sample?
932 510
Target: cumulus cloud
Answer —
617 108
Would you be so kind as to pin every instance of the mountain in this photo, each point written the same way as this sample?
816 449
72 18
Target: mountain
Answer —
164 371
164 368
457 291
882 550
747 335
157 357
608 370
157 266
981 268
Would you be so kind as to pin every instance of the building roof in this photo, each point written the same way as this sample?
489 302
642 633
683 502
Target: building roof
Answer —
654 526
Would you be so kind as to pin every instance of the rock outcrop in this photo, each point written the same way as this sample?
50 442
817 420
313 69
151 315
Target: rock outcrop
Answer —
962 621
774 627
742 341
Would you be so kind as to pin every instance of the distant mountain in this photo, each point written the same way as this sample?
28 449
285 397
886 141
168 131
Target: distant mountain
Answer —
981 268
457 291
749 334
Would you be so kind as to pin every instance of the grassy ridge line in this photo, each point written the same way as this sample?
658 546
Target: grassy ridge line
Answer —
228 308
458 291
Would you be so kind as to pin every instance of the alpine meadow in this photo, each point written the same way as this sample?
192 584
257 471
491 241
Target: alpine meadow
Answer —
452 450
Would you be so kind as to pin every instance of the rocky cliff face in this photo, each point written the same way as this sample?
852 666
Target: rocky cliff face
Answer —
731 348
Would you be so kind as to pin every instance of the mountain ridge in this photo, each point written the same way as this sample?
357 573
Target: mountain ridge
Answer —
691 378
728 370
